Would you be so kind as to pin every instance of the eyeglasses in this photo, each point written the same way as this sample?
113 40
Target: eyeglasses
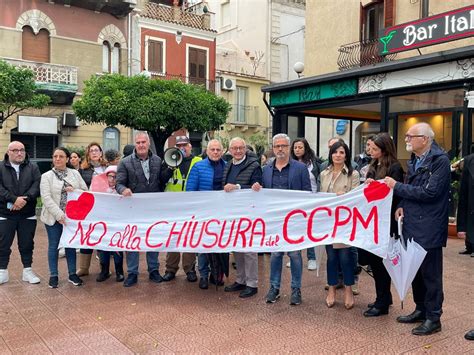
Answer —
111 177
281 146
215 149
16 151
94 150
238 148
409 137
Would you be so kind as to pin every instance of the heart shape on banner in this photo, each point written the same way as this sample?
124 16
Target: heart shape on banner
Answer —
80 208
376 191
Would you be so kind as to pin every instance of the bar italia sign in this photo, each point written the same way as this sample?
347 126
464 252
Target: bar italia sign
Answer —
440 28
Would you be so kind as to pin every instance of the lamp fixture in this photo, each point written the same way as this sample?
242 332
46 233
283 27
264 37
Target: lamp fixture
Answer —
179 37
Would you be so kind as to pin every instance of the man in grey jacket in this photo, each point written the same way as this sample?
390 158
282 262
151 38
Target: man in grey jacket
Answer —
19 189
140 173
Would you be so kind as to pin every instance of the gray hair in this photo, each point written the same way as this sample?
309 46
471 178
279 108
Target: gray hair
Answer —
214 141
426 130
236 139
281 136
142 133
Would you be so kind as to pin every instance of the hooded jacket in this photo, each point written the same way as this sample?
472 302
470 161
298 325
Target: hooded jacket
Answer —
425 199
12 187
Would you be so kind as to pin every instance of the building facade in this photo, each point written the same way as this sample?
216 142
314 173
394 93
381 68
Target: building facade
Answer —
64 43
360 85
258 43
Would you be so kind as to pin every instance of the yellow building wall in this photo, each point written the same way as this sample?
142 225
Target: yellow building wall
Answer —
328 27
10 43
254 99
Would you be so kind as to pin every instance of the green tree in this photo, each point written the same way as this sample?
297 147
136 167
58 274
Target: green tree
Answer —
18 91
157 106
260 143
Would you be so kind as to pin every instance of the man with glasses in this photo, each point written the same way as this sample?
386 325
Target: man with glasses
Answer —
176 182
207 175
19 189
286 174
424 209
241 173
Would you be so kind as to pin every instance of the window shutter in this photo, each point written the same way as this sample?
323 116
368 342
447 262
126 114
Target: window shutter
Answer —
35 47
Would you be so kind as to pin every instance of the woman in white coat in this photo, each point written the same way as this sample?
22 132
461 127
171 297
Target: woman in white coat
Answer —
55 184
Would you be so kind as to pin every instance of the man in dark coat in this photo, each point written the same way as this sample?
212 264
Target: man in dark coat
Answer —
286 174
465 222
424 208
19 189
140 173
241 173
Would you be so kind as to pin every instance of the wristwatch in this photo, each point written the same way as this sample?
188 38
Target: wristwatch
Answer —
238 186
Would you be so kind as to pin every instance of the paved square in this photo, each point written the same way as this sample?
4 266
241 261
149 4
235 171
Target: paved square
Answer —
178 317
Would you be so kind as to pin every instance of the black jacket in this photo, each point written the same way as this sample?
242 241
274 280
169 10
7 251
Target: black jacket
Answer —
250 173
11 187
130 174
465 222
425 199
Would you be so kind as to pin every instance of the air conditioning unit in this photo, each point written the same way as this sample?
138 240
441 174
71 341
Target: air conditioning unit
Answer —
228 84
70 120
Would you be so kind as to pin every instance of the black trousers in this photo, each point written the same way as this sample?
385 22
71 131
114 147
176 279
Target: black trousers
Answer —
428 285
381 277
469 245
25 230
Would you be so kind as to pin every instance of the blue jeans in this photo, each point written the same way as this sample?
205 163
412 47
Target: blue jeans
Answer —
133 258
311 254
203 266
276 263
54 236
345 259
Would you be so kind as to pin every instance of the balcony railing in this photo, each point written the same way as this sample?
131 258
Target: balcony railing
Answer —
210 85
176 15
359 54
244 115
46 73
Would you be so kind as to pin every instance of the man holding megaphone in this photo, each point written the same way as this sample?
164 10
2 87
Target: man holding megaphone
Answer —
177 164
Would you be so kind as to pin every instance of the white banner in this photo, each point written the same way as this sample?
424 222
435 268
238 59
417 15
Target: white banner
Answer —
216 221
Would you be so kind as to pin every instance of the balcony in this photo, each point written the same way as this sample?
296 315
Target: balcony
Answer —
176 15
243 116
360 54
57 81
118 8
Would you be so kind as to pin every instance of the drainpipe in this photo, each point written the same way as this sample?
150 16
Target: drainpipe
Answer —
129 45
425 8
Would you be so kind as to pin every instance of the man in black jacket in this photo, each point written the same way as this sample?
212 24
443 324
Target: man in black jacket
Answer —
140 173
19 189
241 173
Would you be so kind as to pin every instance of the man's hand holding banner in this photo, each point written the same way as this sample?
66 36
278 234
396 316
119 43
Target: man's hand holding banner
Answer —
244 220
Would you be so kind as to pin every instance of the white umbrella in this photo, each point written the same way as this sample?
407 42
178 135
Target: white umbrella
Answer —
402 263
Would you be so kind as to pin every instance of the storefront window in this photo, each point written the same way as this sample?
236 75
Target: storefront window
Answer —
436 100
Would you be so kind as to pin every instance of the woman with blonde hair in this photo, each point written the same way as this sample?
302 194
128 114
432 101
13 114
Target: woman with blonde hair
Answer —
92 165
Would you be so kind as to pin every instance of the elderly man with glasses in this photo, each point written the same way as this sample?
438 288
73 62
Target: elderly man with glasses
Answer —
424 208
19 189
241 173
286 174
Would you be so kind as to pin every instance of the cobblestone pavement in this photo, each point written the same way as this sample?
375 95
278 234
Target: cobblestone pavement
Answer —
178 317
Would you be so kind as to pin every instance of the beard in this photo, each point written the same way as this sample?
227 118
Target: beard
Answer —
409 148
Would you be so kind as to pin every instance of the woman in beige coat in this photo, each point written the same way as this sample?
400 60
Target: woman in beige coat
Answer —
339 177
55 184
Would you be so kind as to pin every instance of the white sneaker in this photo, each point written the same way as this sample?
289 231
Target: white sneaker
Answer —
312 265
3 276
62 253
30 276
288 264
